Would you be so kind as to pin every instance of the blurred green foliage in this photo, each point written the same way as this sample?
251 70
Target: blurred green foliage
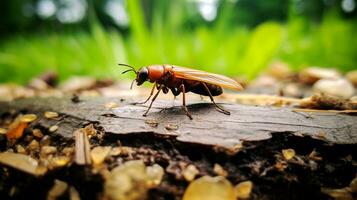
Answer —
216 47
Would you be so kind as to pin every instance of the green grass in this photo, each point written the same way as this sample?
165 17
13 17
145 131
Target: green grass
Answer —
219 47
69 54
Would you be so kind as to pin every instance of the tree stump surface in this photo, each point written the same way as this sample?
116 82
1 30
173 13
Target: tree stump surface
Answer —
208 127
325 160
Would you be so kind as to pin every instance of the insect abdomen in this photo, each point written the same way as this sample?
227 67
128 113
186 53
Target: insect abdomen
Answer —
200 89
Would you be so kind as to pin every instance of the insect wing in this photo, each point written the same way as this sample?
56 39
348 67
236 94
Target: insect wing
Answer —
197 75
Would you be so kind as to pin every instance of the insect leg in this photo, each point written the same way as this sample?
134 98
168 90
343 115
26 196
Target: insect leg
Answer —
173 101
151 93
184 101
152 101
211 97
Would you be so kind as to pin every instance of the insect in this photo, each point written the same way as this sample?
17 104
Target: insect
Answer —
182 80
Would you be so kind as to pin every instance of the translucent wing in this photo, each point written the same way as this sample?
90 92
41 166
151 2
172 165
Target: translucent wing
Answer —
197 75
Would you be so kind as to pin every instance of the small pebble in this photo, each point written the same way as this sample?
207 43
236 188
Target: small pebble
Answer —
38 84
218 169
76 83
243 189
126 151
68 151
312 74
279 70
45 150
53 128
3 131
190 172
352 77
34 145
128 181
28 118
98 154
20 149
58 161
154 174
281 166
116 151
58 189
51 115
288 153
263 81
292 90
210 188
37 133
46 140
341 88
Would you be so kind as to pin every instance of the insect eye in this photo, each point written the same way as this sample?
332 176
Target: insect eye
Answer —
143 74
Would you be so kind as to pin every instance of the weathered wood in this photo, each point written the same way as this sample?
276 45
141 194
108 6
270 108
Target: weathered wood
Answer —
209 126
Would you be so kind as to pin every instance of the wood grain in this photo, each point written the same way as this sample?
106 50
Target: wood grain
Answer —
209 126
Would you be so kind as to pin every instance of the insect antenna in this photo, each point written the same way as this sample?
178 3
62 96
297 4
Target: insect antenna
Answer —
128 70
131 68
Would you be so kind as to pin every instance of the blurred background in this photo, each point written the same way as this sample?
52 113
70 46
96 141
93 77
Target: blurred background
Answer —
239 38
